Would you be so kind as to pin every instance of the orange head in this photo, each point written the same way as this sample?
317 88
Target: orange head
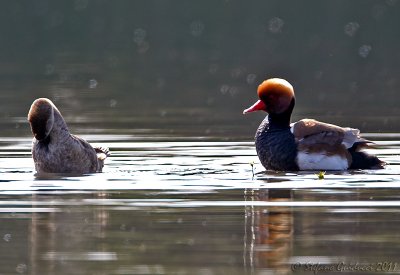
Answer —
276 96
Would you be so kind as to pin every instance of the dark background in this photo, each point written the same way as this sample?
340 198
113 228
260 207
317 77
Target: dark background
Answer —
184 63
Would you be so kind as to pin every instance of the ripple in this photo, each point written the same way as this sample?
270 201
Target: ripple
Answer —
82 256
139 162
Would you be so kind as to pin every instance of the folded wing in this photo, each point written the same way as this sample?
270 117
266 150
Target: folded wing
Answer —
311 132
324 146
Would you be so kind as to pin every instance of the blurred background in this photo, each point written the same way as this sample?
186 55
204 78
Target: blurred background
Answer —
193 66
136 75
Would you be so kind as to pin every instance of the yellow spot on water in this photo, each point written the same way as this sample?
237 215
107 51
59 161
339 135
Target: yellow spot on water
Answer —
321 175
252 166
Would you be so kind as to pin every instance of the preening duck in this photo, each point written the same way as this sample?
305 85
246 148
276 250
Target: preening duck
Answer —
307 144
54 149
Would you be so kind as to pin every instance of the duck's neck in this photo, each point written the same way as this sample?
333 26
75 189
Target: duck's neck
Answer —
278 122
60 130
282 120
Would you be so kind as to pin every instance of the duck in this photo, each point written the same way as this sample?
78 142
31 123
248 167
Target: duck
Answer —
307 144
55 149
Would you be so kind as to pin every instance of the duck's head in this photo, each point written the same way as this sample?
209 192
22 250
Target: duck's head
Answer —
41 118
276 97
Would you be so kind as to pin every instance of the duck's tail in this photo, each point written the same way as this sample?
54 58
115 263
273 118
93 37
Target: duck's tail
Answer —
102 152
362 160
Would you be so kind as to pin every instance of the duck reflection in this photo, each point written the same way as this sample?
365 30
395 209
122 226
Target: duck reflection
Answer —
53 235
268 232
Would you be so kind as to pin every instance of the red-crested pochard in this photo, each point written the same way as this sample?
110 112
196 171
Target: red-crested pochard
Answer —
307 144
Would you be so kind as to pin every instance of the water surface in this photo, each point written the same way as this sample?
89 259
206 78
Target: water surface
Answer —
163 84
168 204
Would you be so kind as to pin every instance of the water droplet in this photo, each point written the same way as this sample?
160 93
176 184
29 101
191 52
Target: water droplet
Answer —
321 97
80 5
224 89
275 25
173 54
7 237
206 271
391 2
351 28
353 87
40 7
49 70
236 72
143 47
213 68
113 61
197 28
139 36
93 83
64 77
318 74
21 268
142 247
364 50
113 103
378 11
233 90
251 78
160 83
55 20
191 242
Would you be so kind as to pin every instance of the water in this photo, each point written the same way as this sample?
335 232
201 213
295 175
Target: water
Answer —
163 84
181 204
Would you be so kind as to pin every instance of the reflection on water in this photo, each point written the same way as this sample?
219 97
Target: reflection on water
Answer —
189 205
165 93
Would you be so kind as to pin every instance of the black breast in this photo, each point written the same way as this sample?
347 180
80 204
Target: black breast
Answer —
276 147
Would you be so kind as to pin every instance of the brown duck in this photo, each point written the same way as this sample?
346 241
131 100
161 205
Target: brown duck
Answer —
55 149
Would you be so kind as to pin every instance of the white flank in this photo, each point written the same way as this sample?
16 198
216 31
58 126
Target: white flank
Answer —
321 161
292 127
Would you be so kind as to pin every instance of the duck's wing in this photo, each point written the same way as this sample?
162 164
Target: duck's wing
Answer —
100 154
310 132
323 146
85 153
